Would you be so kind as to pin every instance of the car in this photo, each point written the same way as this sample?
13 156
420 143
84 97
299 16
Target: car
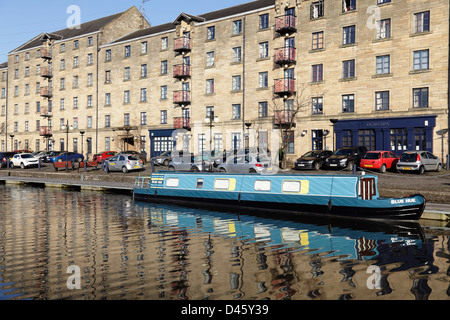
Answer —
42 155
4 157
23 151
140 155
163 159
103 155
345 158
185 162
312 159
50 154
254 151
418 161
23 160
379 160
67 156
124 162
246 164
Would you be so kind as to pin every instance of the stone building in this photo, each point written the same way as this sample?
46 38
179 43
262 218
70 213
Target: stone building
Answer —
323 74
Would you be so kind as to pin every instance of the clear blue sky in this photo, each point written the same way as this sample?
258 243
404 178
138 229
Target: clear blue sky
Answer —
21 21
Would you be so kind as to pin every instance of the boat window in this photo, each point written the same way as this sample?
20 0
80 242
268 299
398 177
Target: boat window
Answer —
222 184
172 182
291 186
262 185
199 183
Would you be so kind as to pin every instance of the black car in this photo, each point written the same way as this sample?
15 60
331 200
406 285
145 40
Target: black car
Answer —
312 159
4 156
345 157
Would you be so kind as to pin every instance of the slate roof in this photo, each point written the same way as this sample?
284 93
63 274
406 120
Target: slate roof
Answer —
253 5
3 65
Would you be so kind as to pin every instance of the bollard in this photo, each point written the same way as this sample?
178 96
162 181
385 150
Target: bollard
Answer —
448 162
153 165
107 168
7 163
39 164
85 166
354 168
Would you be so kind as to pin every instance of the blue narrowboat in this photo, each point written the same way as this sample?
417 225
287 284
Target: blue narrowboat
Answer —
351 196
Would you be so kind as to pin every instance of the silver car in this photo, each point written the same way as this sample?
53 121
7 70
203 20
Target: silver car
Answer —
418 161
246 164
163 159
185 163
124 163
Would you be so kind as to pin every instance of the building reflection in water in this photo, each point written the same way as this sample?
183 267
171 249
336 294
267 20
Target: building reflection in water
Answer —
128 250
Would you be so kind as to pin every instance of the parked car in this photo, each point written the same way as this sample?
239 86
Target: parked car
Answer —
124 162
254 151
312 159
23 151
185 162
345 157
50 155
23 160
140 155
379 160
246 164
163 159
4 156
104 155
67 156
418 161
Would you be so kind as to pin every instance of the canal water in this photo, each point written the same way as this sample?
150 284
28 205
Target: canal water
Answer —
60 244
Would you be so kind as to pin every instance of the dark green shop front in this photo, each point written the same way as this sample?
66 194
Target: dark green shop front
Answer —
397 134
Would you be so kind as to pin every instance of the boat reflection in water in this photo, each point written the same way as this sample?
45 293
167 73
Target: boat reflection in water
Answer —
250 257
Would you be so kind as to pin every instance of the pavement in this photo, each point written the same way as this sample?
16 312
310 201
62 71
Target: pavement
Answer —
435 186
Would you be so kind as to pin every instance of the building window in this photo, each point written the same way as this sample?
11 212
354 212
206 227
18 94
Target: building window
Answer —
263 50
126 97
367 139
127 73
348 103
107 76
262 109
317 105
163 116
218 142
236 83
317 139
236 111
75 102
90 79
127 51
264 21
348 5
107 99
384 29
317 40
144 47
143 71
348 69
399 140
107 143
164 67
163 92
288 137
347 138
237 27
75 82
143 94
210 59
62 103
89 122
75 62
210 86
264 79
211 33
62 83
210 112
382 100
126 119
383 64
317 73
76 44
317 9
421 60
89 101
420 98
143 118
164 43
62 48
75 122
90 42
108 55
236 54
383 1
349 35
422 22
107 121
90 59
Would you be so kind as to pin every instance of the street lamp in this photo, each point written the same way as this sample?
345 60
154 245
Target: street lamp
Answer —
82 134
12 137
209 121
67 128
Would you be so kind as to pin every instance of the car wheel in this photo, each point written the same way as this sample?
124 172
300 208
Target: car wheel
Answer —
11 165
383 168
79 159
350 166
194 169
251 170
166 163
422 170
222 170
316 166
124 169
171 168
60 160
439 168
22 166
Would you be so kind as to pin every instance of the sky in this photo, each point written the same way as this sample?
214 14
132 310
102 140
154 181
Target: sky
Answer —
22 21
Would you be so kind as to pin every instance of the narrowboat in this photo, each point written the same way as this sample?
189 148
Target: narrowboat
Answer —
336 196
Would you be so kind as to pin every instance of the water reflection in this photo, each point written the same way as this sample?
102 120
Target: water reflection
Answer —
128 250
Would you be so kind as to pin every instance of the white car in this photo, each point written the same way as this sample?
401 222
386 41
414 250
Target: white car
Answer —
24 160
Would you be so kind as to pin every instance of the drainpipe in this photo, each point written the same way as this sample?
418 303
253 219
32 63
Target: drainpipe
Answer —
448 98
243 83
96 107
6 107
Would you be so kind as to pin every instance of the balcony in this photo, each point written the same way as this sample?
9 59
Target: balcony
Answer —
46 92
285 24
182 97
181 71
46 72
286 55
46 131
181 123
182 45
284 117
284 86
46 112
46 53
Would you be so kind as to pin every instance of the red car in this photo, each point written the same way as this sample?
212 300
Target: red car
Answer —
379 160
104 155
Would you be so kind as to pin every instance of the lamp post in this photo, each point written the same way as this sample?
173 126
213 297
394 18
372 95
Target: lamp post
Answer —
247 138
82 134
209 121
67 128
12 137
